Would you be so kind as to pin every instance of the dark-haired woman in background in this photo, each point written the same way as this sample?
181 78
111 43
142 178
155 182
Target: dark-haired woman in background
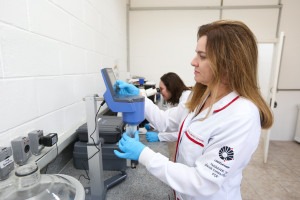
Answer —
175 93
173 89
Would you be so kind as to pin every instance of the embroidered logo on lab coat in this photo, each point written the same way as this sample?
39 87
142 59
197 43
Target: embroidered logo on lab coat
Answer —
226 153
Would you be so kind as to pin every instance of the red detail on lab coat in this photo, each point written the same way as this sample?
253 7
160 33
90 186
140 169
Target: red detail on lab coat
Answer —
215 111
193 140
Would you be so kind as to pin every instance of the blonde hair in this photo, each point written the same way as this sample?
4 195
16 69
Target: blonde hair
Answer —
232 50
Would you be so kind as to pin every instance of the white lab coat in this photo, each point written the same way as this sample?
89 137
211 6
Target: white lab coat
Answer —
172 136
210 154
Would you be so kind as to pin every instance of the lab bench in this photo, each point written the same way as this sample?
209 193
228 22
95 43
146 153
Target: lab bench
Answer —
139 183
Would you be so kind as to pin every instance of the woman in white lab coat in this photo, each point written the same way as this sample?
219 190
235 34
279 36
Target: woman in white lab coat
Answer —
220 127
173 89
175 93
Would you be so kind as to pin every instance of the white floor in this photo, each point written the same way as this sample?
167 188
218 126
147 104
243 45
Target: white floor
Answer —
279 178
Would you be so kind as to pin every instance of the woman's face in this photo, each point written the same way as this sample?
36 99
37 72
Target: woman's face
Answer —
203 73
164 91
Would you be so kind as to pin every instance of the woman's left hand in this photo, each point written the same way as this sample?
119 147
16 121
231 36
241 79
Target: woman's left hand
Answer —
131 147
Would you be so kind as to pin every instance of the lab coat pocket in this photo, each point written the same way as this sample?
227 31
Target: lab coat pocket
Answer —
191 147
195 138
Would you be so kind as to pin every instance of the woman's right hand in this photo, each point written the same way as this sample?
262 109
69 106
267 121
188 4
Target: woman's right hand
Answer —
125 89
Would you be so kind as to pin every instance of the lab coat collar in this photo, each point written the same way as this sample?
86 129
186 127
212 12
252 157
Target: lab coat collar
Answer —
225 102
218 106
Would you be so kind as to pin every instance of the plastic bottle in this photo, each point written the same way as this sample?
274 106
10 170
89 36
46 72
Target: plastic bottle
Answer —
141 86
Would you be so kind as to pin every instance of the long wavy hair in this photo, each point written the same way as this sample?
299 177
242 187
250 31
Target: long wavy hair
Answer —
174 85
232 50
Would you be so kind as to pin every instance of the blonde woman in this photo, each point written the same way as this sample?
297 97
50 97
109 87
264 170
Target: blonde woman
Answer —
220 127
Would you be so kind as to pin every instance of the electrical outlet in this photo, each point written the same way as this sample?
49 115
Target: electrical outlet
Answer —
21 150
34 140
6 162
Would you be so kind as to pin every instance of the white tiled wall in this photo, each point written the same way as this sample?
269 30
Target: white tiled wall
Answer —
14 12
51 53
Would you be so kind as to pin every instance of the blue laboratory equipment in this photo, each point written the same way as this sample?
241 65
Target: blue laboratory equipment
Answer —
131 107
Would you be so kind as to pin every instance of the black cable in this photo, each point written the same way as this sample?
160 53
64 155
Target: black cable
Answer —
96 122
98 150
87 177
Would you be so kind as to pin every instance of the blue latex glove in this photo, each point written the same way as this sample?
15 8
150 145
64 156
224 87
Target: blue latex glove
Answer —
131 147
152 136
126 89
147 127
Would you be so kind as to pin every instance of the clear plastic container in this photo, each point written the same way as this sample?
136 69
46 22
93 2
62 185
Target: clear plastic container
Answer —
130 130
29 184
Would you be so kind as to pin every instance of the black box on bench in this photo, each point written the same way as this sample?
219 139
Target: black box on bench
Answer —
110 161
110 129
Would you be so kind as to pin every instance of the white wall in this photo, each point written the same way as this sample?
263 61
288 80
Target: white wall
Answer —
51 53
163 34
290 66
168 42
